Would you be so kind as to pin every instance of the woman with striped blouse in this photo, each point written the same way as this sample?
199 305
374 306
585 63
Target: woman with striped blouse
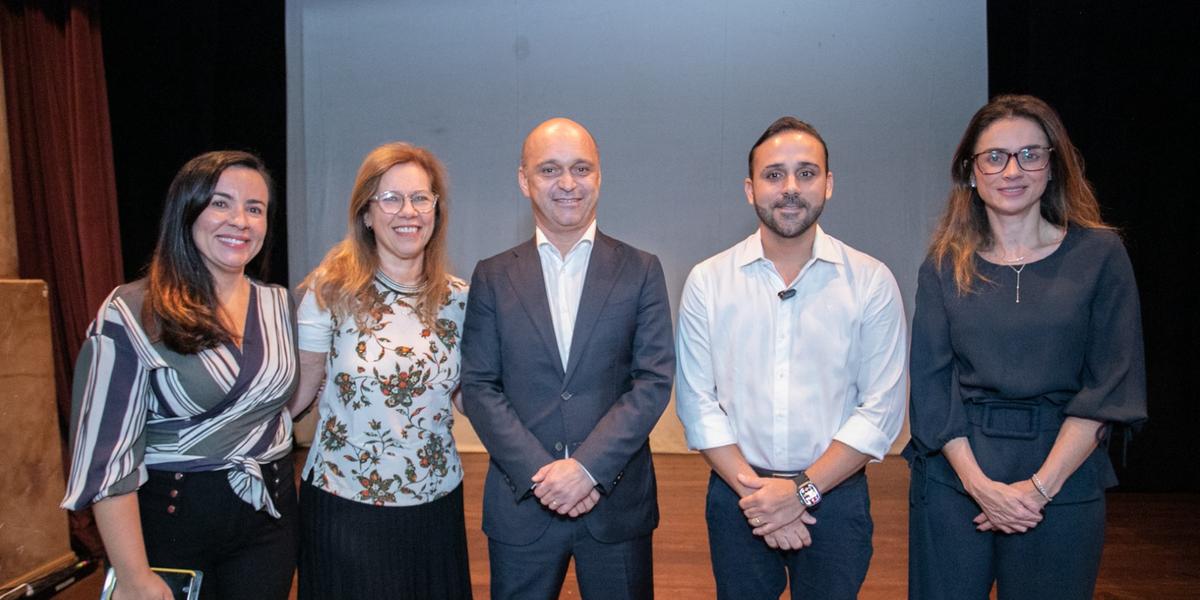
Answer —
180 437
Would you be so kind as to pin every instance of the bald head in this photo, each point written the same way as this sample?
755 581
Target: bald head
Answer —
557 130
560 174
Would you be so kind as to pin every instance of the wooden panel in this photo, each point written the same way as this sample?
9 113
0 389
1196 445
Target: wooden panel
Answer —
33 529
8 226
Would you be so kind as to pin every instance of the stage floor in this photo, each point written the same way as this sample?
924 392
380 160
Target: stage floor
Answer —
1152 549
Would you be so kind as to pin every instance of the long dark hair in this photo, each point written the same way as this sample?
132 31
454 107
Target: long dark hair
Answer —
181 305
1068 199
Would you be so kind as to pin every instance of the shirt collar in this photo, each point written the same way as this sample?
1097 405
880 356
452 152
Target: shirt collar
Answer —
750 250
589 236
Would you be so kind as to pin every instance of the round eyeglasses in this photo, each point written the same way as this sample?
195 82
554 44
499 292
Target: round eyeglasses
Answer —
1033 158
393 202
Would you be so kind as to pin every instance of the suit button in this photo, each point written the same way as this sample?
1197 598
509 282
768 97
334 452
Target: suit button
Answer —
173 493
178 476
275 467
567 395
558 446
170 509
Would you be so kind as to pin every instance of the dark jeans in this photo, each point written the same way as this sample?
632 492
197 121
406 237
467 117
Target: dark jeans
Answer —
195 521
833 567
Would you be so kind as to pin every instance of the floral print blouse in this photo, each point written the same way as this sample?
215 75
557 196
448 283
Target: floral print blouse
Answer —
383 437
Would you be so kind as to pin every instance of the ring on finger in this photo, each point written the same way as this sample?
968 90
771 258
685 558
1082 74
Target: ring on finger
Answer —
758 520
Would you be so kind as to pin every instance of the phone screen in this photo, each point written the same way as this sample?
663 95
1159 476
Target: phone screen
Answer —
184 583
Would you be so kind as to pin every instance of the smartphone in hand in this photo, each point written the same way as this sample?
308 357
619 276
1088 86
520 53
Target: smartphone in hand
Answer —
184 583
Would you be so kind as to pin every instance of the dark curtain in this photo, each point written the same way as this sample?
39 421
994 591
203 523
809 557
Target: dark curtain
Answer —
64 193
1118 77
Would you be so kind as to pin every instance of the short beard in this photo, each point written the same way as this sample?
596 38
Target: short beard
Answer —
793 228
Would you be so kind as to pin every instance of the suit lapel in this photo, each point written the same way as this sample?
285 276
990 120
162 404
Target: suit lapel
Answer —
603 265
530 288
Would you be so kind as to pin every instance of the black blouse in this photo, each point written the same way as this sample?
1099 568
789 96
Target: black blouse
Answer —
1074 340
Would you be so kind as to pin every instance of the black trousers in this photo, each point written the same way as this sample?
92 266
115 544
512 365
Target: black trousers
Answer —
948 559
195 521
605 571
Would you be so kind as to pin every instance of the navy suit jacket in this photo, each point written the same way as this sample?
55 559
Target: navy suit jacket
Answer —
527 409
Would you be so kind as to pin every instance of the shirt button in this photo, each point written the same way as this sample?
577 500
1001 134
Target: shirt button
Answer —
170 509
275 467
178 476
558 446
174 493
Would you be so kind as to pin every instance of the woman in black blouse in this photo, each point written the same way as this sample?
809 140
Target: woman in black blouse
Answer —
1027 346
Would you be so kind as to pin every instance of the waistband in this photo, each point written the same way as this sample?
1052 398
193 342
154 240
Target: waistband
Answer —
1017 420
255 483
761 472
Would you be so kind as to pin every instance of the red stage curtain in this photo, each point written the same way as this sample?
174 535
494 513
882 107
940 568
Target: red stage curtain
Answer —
64 191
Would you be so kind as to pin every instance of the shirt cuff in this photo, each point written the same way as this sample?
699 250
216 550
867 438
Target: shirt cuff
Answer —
711 433
587 472
862 435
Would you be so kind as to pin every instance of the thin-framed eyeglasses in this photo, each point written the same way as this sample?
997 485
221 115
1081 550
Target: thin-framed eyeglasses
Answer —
1033 158
393 202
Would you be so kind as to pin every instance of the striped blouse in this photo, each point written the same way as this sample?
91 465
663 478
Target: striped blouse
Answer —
138 405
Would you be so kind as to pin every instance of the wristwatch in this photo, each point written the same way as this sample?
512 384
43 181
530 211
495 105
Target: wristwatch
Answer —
806 490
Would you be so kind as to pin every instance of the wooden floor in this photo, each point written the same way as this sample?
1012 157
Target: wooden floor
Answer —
1152 549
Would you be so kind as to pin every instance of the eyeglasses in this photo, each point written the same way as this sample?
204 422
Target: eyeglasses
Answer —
1033 158
393 202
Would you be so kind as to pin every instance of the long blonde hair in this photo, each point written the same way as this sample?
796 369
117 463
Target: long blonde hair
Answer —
347 272
1068 199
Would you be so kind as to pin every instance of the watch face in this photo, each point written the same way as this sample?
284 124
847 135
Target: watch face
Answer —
808 494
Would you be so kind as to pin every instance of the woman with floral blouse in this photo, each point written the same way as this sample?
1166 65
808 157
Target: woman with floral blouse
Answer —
382 500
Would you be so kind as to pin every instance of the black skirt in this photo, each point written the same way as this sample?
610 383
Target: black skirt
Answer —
351 550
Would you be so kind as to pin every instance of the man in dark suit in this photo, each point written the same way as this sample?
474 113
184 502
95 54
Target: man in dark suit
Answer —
567 365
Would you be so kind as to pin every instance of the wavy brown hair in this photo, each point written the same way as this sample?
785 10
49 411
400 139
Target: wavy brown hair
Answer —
1068 200
181 307
343 279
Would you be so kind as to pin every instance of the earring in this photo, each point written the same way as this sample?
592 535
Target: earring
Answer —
972 183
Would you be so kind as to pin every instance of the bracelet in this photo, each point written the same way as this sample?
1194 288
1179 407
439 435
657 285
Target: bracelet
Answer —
1041 489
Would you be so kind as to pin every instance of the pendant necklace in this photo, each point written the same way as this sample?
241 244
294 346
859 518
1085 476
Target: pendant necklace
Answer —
1018 270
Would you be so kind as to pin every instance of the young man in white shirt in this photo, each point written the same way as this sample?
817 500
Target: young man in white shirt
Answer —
791 375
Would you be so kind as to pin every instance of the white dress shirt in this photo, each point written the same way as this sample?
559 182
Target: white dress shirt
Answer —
783 378
564 277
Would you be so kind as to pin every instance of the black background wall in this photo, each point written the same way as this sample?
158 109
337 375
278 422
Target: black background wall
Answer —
1116 74
185 77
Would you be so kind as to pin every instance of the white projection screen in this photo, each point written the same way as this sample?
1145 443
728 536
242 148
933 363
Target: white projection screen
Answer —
674 92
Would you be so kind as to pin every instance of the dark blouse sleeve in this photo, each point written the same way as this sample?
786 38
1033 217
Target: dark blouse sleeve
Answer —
108 412
1114 370
936 415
